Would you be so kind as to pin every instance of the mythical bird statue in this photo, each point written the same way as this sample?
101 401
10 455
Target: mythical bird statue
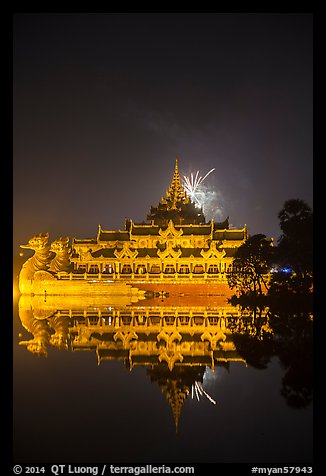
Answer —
62 251
38 262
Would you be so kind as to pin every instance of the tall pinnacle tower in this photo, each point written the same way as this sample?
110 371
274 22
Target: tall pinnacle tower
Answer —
176 192
176 205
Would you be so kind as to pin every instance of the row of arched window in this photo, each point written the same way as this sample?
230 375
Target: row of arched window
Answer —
126 269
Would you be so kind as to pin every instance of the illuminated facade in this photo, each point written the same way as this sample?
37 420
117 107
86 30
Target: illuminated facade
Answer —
175 247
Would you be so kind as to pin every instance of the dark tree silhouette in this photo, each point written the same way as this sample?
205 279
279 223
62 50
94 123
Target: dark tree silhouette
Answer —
293 337
252 335
251 266
295 245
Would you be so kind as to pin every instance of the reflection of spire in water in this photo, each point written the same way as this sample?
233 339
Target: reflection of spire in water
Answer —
176 397
176 384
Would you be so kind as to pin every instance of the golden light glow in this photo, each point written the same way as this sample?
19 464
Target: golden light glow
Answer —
15 290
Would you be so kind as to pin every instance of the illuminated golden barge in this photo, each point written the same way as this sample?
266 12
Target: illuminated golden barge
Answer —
176 250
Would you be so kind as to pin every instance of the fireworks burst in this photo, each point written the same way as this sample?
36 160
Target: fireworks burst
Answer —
193 189
202 195
197 389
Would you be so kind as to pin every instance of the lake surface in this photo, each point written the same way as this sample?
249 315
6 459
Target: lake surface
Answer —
158 380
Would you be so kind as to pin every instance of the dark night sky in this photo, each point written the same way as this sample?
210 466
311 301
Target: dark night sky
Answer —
104 102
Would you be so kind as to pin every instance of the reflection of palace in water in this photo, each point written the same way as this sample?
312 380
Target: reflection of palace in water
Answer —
176 342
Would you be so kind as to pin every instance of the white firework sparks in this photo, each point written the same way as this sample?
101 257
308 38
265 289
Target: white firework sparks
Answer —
202 195
198 390
192 186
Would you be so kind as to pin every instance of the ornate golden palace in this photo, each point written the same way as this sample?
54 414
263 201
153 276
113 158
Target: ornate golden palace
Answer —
176 250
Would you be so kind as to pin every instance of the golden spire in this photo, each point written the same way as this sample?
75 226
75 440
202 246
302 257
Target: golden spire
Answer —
176 192
176 397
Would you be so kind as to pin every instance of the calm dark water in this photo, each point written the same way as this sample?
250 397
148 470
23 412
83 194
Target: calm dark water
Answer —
101 384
